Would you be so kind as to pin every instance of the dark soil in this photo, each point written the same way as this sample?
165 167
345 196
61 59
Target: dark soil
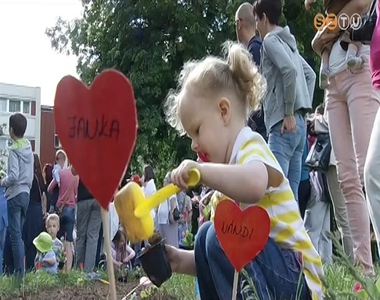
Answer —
155 238
94 291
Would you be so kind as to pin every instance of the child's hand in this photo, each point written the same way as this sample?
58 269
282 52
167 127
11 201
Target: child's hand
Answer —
308 4
180 175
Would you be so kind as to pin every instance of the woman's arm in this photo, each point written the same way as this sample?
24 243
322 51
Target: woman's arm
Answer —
173 203
353 7
52 186
44 202
322 38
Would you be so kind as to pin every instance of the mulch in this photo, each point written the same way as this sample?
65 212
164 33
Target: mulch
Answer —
94 291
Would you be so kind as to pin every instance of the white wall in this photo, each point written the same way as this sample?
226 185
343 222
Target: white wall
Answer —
25 94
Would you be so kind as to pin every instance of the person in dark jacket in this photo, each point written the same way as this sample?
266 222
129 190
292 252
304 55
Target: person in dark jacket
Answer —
89 220
34 221
246 33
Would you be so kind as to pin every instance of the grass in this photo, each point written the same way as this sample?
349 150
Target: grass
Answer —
34 282
338 278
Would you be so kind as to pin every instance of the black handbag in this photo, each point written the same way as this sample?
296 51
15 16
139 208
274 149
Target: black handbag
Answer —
175 214
365 32
318 158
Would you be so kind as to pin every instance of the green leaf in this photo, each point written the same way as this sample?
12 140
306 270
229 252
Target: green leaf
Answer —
362 294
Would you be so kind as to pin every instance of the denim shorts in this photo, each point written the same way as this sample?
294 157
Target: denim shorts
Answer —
67 222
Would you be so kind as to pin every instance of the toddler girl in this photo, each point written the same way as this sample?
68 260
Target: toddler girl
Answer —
211 106
122 254
45 258
60 163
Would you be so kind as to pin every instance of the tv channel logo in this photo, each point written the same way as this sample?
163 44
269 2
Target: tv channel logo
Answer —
342 21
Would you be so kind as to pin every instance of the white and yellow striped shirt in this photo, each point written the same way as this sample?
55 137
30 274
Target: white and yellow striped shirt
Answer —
287 227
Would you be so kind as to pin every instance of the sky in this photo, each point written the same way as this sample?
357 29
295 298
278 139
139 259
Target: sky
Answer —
26 57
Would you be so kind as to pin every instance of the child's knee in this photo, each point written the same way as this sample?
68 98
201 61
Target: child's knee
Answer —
200 237
212 242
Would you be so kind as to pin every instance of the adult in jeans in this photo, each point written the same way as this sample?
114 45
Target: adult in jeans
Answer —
291 83
3 226
351 104
66 203
372 164
89 220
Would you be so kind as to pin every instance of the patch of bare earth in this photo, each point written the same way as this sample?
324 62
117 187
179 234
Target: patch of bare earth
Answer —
94 291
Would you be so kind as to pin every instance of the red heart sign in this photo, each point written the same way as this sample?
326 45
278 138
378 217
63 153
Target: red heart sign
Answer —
97 127
242 233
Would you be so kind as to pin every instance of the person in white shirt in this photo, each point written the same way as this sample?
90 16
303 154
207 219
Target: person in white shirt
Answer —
167 226
148 185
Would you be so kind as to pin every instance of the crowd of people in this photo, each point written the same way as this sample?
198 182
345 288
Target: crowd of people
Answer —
50 220
296 163
303 164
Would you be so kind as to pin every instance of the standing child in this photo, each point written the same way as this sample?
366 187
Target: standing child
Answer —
52 227
211 107
17 185
45 257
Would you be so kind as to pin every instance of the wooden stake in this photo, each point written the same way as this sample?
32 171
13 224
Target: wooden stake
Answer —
235 285
107 243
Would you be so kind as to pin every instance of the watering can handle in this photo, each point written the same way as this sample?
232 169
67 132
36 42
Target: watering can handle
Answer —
164 193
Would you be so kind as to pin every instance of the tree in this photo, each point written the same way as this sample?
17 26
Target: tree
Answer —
149 41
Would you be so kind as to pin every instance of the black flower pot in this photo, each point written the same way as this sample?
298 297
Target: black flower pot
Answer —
156 264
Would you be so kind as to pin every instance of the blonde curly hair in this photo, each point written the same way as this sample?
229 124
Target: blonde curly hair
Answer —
213 75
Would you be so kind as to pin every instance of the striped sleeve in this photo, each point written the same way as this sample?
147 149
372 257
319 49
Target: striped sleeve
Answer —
255 149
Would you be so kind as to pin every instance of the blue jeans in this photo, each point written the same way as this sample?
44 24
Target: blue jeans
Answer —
3 232
288 149
275 272
66 223
17 208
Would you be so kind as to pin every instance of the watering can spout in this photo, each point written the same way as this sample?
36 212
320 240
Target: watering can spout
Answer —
166 192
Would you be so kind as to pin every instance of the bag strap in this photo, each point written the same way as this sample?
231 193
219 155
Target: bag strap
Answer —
66 196
372 9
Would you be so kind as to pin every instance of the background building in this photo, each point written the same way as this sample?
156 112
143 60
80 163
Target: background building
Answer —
25 100
49 139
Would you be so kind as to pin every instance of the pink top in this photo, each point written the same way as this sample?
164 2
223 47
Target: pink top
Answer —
374 60
68 190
